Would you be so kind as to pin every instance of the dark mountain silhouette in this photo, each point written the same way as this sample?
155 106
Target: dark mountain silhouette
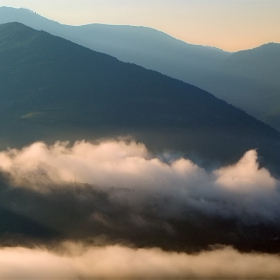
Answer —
143 46
246 79
52 89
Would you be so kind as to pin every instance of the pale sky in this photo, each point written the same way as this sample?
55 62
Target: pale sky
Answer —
228 24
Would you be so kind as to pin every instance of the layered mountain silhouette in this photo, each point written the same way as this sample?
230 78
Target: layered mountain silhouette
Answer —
258 70
247 79
52 89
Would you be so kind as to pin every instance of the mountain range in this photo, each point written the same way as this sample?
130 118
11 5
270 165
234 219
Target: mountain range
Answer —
246 79
52 89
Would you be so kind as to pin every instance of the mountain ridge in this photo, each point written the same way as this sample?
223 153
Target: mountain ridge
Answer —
256 92
52 89
21 14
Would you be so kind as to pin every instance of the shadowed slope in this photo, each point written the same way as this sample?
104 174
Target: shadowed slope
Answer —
54 89
247 79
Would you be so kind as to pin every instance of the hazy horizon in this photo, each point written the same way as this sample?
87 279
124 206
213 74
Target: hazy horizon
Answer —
228 25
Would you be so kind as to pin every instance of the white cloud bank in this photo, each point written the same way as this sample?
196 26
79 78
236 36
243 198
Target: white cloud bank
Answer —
242 190
122 262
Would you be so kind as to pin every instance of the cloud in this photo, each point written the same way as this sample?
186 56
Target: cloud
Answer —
118 192
245 175
117 262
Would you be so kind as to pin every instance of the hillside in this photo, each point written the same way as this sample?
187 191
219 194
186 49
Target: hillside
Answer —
260 67
251 77
247 79
143 46
52 89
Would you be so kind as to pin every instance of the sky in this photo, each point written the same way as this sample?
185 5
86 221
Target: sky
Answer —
231 25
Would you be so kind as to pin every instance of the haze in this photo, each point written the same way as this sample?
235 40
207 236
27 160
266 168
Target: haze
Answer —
227 24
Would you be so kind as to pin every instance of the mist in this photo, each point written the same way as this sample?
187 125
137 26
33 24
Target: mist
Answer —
117 262
116 192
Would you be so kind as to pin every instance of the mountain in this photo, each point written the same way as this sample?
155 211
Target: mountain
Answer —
247 79
128 43
260 67
52 89
252 83
143 46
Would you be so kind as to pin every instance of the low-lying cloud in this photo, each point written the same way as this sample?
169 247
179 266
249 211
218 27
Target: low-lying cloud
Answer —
116 192
118 262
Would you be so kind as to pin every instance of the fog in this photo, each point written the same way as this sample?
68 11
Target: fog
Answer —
116 262
124 165
116 192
